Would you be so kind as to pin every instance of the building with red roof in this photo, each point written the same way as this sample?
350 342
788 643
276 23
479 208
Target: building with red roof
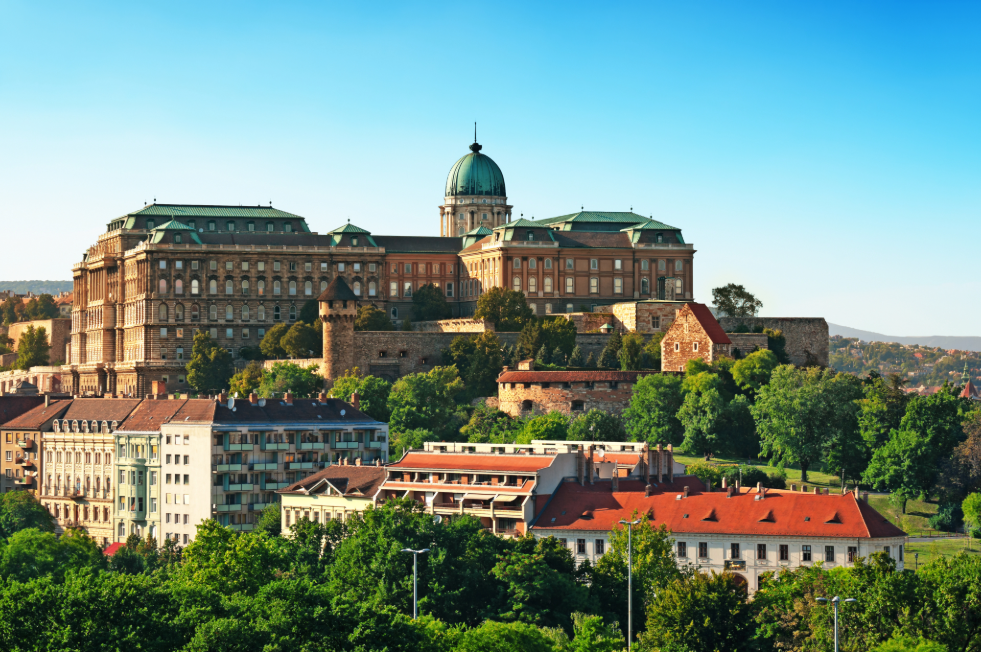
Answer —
694 334
747 531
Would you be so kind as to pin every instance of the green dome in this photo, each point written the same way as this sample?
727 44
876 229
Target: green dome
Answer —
475 174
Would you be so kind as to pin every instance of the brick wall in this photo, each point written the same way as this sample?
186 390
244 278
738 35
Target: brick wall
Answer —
807 337
589 321
745 343
512 398
686 340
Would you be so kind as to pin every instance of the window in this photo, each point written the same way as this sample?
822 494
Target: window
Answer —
276 315
645 265
229 287
677 346
660 266
516 283
734 551
593 263
292 288
180 353
548 263
600 546
853 552
618 285
581 546
805 553
213 312
372 292
900 553
617 265
308 288
356 288
694 346
229 226
703 549
532 263
308 267
288 228
569 285
179 315
213 287
679 265
569 264
270 226
645 286
150 224
548 309
548 284
229 313
682 549
678 285
517 263
533 284
408 268
163 333
593 285
372 267
195 288
761 551
275 265
292 313
393 289
829 554
163 286
277 289
229 333
323 285
213 332
162 312
179 286
407 289
449 289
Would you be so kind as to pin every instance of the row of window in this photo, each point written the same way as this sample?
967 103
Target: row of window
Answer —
570 285
245 287
277 266
53 456
59 510
163 314
679 264
735 551
230 225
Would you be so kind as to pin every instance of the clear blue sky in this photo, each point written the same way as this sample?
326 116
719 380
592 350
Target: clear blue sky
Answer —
827 155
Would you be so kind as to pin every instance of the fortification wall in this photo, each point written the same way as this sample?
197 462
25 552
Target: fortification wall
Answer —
807 337
746 343
453 326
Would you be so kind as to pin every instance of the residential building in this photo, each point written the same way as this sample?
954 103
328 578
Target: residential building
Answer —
747 532
694 334
20 454
506 486
334 493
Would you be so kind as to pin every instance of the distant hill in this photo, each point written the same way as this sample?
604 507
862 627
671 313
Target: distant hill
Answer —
965 343
37 287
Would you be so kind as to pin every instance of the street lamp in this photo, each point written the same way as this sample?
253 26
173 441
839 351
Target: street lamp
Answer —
630 579
916 556
834 601
415 579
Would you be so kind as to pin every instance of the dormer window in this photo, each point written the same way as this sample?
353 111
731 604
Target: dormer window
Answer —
354 241
212 226
287 227
531 236
251 226
177 238
269 226
230 226
660 237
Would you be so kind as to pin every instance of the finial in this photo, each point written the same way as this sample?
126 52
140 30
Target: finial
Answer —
475 147
475 131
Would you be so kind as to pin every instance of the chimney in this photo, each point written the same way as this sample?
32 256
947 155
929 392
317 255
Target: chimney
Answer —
737 486
223 398
708 487
357 461
580 464
254 398
856 492
685 493
759 487
356 401
817 491
288 397
803 488
827 491
865 496
47 403
725 485
728 492
378 461
615 480
343 461
322 397
660 466
670 461
793 487
589 466
647 491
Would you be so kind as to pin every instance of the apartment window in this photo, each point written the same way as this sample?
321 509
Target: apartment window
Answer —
734 551
569 285
167 477
393 289
618 286
594 285
187 480
682 549
784 552
703 549
829 554
139 504
153 505
805 553
185 536
600 546
153 478
581 546
761 551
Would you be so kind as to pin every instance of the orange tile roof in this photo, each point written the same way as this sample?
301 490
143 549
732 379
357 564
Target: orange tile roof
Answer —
781 513
709 323
524 488
34 419
571 376
424 460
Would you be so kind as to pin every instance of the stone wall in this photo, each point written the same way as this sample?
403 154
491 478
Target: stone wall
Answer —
453 326
589 321
646 316
58 330
807 337
745 343
687 340
524 399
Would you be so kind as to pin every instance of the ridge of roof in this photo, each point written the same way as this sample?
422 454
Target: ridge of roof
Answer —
708 322
338 290
212 210
522 223
651 225
349 228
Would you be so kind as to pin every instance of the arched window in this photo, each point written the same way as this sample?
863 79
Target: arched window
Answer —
195 288
517 263
276 287
163 286
229 313
260 287
213 313
179 312
178 286
357 288
276 313
532 263
245 313
645 286
163 312
548 284
395 313
245 288
516 283
292 313
533 284
213 287
371 289
261 313
323 285
229 287
548 263
292 288
308 288
195 312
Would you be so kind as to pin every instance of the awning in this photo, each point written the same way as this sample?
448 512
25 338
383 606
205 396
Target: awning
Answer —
506 499
478 496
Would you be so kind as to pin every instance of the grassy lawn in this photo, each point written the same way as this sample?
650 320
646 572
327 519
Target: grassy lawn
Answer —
814 477
915 523
930 550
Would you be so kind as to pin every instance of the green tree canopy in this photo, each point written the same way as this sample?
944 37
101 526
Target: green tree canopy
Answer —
479 360
248 380
371 318
701 415
652 415
271 342
210 367
753 372
652 350
285 377
882 409
735 301
309 312
301 341
425 400
507 309
373 391
631 354
488 425
596 425
19 510
33 348
551 426
40 307
429 304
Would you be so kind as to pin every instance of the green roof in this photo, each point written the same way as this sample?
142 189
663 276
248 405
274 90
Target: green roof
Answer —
157 234
649 225
603 217
480 230
475 174
194 210
521 223
349 228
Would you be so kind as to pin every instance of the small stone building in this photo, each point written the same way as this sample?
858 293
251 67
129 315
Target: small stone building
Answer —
694 334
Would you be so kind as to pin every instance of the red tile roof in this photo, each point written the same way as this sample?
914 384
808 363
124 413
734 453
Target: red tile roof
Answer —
351 479
101 409
14 406
709 323
571 376
36 418
112 549
969 391
425 460
151 414
781 513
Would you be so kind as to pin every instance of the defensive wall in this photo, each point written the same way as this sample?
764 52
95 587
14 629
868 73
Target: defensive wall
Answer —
807 337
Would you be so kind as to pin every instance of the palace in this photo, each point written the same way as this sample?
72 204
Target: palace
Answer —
160 273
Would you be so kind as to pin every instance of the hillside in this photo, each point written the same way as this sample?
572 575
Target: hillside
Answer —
37 287
961 343
919 365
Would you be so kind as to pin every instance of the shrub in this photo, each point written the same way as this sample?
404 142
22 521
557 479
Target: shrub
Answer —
948 518
705 472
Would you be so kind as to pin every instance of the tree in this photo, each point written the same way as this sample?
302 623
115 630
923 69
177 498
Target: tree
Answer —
32 348
9 311
631 353
253 353
535 592
407 325
777 342
591 361
228 562
543 357
652 415
6 344
410 440
754 371
591 634
576 359
490 425
702 613
700 415
652 350
558 357
373 392
285 377
507 309
882 409
429 304
909 644
40 307
609 356
531 339
735 301
559 333
803 413
270 345
425 400
19 510
210 367
548 427
248 380
492 636
596 425
972 509
371 318
270 520
309 312
300 341
479 360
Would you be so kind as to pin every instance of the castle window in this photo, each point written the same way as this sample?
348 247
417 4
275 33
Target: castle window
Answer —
213 313
548 263
395 313
532 263
677 346
213 265
645 265
195 312
292 288
163 286
533 284
530 236
617 264
569 285
212 225
251 226
213 332
179 286
594 285
230 226
526 406
677 287
618 285
548 309
245 288
229 313
308 267
517 263
245 333
276 265
323 285
660 237
372 267
548 283
150 224
516 283
245 313
277 287
308 288
534 308
260 287
402 354
354 241
656 323
292 266
382 354
568 307
292 313
645 286
393 289
179 313
660 265
357 289
407 290
371 288
593 263
177 238
269 226
229 333
569 264
408 268
261 313
449 289
229 265
276 315
163 312
679 265
288 227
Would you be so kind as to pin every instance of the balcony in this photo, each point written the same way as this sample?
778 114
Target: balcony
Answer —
26 444
264 466
76 494
239 447
273 486
311 446
239 487
228 467
280 446
258 507
302 465
242 527
24 462
376 444
24 482
345 444
228 508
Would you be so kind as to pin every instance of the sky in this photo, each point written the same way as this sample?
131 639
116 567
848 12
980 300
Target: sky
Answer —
825 155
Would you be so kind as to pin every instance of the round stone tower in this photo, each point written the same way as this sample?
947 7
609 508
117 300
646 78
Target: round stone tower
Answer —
475 195
338 309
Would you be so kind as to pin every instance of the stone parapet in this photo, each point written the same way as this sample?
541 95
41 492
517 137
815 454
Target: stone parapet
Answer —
453 326
745 343
807 337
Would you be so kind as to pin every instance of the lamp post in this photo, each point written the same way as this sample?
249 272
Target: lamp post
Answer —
834 601
916 556
415 579
630 579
